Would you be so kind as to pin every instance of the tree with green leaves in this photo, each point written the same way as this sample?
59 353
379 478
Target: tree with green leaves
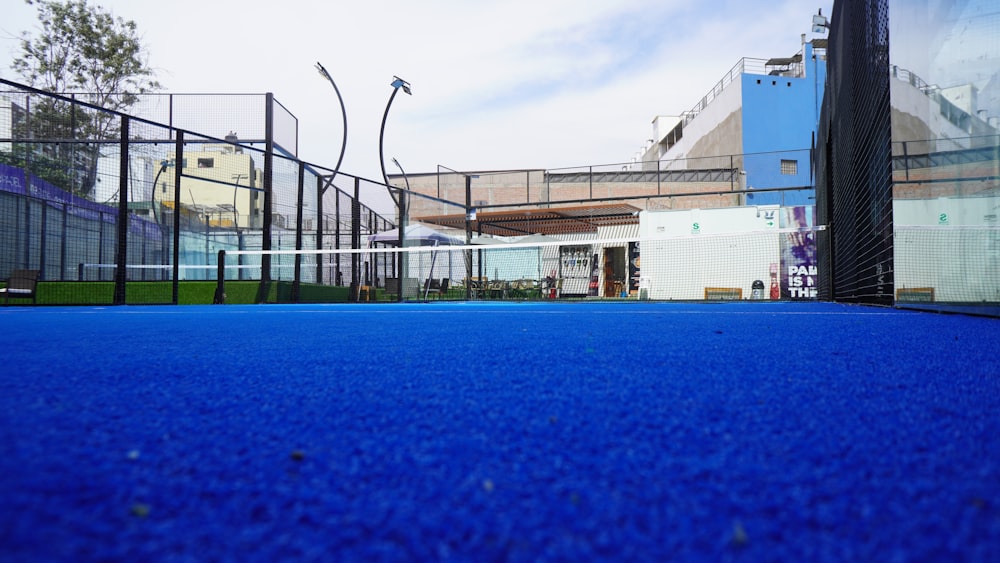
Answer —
85 50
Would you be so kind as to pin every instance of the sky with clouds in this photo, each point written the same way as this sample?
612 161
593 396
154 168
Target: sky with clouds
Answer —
506 84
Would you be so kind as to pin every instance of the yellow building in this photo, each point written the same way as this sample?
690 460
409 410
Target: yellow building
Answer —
219 183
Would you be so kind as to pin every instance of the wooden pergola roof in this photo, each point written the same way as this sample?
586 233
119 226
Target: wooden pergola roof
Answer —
546 221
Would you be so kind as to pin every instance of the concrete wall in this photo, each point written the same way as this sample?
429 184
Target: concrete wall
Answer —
715 131
780 115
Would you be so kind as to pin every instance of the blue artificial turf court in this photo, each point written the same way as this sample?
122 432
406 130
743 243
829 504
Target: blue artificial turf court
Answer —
491 432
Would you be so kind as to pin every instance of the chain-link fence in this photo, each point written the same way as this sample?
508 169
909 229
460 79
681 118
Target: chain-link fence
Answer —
122 208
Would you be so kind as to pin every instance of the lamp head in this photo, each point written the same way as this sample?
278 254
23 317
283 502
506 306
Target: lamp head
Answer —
820 23
322 71
398 82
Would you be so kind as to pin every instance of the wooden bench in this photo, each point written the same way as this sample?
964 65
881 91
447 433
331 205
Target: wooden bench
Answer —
22 284
723 293
915 295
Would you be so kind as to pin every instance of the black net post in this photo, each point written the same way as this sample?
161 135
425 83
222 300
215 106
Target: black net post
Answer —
220 279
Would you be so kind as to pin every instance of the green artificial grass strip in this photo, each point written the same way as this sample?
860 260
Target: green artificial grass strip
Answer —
188 293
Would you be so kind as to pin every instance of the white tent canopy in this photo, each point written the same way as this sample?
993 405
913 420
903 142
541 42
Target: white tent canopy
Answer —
416 234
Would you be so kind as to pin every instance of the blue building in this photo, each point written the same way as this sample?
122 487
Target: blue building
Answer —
760 118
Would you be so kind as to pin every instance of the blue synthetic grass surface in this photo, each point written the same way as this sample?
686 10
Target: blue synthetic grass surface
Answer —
652 432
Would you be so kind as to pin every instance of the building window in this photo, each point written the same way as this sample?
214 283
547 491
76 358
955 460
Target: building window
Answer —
206 162
790 167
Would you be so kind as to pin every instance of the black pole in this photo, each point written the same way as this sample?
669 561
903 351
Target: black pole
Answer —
265 244
356 241
397 83
343 114
121 260
220 279
299 208
319 229
401 233
381 137
468 235
178 170
333 176
401 271
337 275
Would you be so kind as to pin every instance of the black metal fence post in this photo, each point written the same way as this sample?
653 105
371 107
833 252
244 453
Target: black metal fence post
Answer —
468 236
178 171
338 276
121 260
356 241
402 270
319 229
265 243
299 207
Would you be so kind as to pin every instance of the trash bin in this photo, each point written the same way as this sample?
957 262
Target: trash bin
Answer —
757 290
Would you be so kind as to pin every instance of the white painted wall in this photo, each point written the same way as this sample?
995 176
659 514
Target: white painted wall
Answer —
911 101
685 251
947 211
728 101
949 244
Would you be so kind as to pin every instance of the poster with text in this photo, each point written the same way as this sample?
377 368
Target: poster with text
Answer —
799 268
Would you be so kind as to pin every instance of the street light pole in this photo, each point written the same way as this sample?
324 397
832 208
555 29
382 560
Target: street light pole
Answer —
397 83
343 113
333 176
401 228
400 201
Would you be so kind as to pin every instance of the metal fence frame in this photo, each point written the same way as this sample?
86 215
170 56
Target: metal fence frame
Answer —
296 197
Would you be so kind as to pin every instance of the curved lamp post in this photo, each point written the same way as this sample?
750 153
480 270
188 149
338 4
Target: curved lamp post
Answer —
343 113
400 201
336 170
397 83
